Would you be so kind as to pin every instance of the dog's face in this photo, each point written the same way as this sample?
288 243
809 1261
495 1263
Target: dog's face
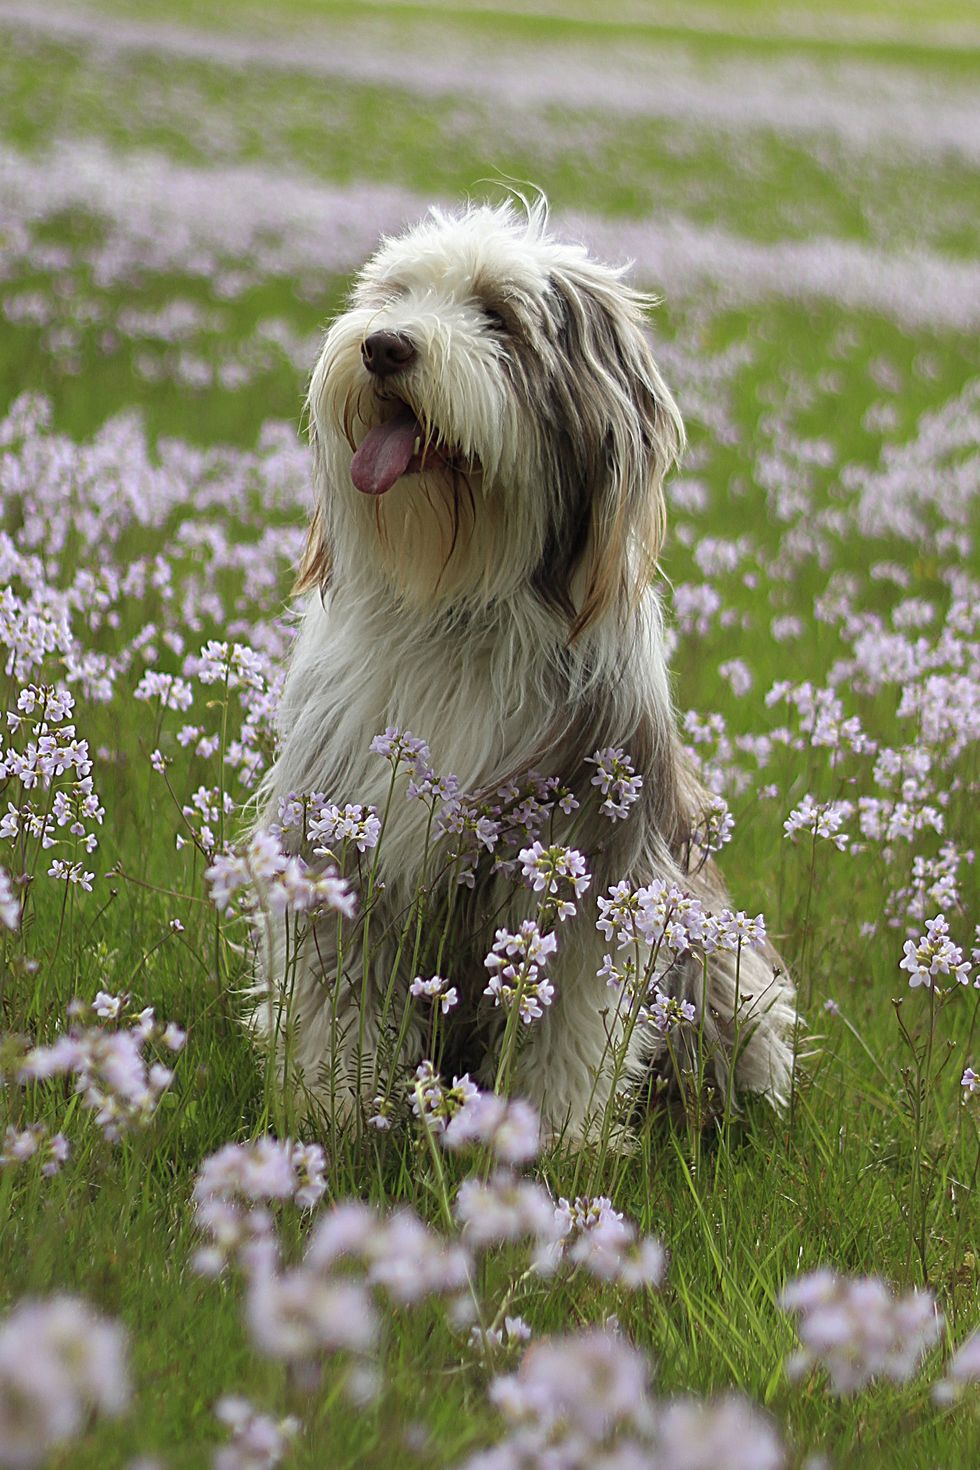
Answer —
487 417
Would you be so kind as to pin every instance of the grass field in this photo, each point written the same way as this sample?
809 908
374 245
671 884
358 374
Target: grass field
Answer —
183 196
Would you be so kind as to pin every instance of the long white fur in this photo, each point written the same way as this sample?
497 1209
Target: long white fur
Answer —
457 637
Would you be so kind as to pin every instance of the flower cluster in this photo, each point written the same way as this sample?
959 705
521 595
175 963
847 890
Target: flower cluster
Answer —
113 1077
265 880
353 1260
331 826
504 1209
857 1330
553 871
934 954
491 1341
434 1102
585 1233
258 1442
233 1183
662 915
962 1370
169 690
714 827
934 884
437 990
508 821
47 770
509 1128
593 1235
821 819
401 747
235 666
515 962
617 781
666 1012
584 1399
61 1365
35 1141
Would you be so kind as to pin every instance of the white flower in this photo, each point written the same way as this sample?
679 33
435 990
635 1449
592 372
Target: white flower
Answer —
666 1012
435 989
281 883
262 1170
301 1313
61 1364
515 961
858 1330
821 819
9 903
591 1234
108 1007
71 873
309 1165
332 825
585 1386
401 746
111 1073
936 954
514 1331
172 692
736 930
616 779
504 1209
714 827
433 1101
411 1262
963 1369
511 1129
728 1432
258 1442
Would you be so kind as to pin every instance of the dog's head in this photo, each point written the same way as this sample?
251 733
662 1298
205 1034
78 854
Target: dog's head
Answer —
487 418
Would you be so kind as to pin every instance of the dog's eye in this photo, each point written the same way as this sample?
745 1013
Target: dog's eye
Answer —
494 320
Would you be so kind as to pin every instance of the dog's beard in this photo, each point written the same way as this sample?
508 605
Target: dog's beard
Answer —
431 531
420 492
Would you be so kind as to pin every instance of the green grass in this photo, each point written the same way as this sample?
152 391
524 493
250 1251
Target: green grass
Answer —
734 29
742 1210
769 185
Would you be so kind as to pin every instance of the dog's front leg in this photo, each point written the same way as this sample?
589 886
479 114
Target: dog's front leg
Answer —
333 1022
581 1054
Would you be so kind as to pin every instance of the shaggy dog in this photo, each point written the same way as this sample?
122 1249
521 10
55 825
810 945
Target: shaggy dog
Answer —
491 435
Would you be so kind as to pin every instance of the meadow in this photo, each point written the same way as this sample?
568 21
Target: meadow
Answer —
192 1273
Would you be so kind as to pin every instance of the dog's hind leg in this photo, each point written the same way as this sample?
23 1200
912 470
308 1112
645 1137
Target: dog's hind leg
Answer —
750 1018
589 1047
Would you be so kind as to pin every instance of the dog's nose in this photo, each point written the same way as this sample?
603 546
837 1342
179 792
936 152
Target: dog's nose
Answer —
385 353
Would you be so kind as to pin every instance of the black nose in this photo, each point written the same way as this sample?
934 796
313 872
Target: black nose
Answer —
385 353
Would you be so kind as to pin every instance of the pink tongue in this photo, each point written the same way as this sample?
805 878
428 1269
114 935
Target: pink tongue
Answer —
385 454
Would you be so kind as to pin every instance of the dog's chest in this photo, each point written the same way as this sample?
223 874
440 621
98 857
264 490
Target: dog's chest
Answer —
480 711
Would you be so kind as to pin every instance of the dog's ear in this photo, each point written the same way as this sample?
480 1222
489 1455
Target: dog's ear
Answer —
617 433
315 564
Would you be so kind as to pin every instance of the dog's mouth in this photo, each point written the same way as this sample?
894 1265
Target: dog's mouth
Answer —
402 445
